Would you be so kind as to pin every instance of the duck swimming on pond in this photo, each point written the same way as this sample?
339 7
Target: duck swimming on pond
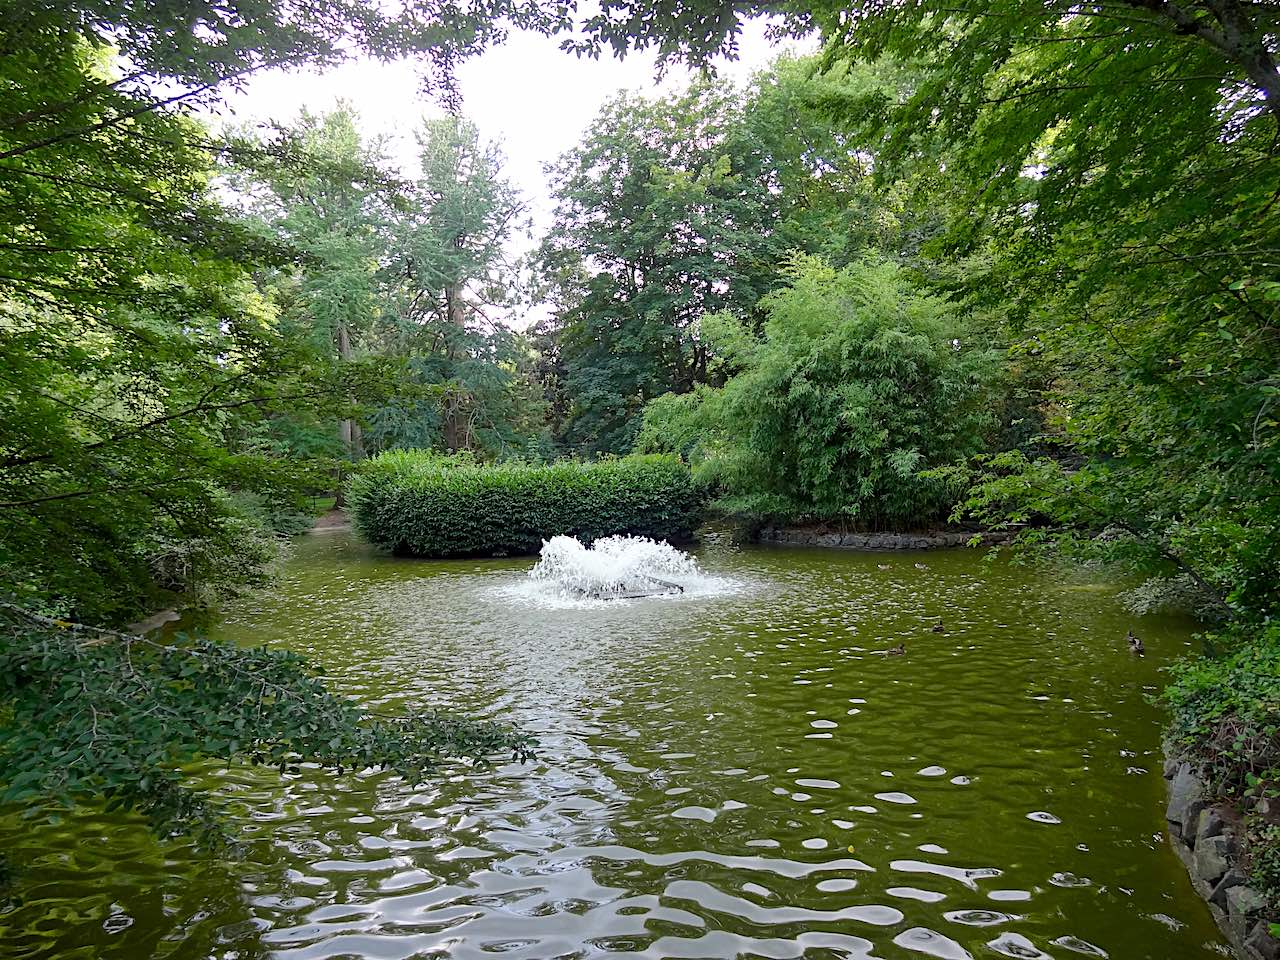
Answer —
883 566
922 566
1135 644
939 628
897 651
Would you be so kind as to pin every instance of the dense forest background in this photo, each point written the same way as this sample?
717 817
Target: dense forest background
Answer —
1008 262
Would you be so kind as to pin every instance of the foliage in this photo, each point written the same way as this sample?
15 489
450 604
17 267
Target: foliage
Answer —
200 46
860 382
675 207
1096 152
451 280
95 714
422 504
163 413
1264 863
399 278
1225 718
138 357
1226 709
663 213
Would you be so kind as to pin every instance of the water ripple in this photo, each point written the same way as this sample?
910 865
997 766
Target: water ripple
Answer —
705 780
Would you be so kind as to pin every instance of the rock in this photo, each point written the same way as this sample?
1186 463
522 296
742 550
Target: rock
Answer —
1171 768
1244 905
1186 800
1266 808
828 540
1210 824
1232 878
1210 860
1261 942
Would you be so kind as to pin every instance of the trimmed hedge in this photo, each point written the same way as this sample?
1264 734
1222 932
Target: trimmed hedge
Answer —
422 504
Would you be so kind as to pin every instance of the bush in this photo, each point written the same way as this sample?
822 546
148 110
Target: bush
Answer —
427 505
1226 720
1226 709
860 383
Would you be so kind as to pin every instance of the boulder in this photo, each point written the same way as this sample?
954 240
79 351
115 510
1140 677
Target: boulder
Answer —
1210 862
1186 800
1262 943
1210 824
1232 878
1244 908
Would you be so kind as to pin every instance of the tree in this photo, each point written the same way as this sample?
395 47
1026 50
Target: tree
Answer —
664 212
1119 161
451 274
141 363
333 211
136 351
860 383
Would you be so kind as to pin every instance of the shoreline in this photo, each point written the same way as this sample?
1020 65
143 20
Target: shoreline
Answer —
825 536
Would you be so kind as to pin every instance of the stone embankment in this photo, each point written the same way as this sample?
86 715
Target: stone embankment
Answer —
923 540
1204 834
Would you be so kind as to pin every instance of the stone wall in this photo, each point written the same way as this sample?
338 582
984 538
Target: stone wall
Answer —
1204 835
926 540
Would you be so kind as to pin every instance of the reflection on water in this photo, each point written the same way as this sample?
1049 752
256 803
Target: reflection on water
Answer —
740 772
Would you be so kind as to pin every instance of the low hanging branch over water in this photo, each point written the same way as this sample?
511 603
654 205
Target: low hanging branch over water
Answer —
104 715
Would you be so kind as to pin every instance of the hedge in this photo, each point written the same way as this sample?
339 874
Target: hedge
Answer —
422 504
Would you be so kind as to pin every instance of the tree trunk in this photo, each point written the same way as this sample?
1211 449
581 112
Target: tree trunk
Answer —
1237 36
455 438
349 429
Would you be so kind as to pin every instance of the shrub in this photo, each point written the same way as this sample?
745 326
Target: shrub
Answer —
1226 709
1226 720
427 505
860 382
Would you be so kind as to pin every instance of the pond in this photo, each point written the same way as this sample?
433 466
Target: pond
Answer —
732 773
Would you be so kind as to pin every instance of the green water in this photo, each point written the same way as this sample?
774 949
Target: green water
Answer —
721 775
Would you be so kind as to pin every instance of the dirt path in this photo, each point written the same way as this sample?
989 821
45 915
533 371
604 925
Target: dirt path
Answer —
332 520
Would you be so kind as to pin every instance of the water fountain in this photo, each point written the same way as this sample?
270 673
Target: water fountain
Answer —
613 568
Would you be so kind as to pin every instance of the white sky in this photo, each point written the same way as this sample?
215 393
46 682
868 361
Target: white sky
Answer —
528 95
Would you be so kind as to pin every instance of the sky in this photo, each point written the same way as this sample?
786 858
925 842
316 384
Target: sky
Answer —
528 95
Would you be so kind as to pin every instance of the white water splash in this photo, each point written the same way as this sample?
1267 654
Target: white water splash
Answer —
613 568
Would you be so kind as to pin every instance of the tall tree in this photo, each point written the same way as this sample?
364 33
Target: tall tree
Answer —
454 275
334 211
664 212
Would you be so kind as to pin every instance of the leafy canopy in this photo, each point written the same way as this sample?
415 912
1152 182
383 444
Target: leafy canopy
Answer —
860 382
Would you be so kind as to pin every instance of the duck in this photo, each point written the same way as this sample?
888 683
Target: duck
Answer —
897 651
1135 644
939 628
883 566
922 566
